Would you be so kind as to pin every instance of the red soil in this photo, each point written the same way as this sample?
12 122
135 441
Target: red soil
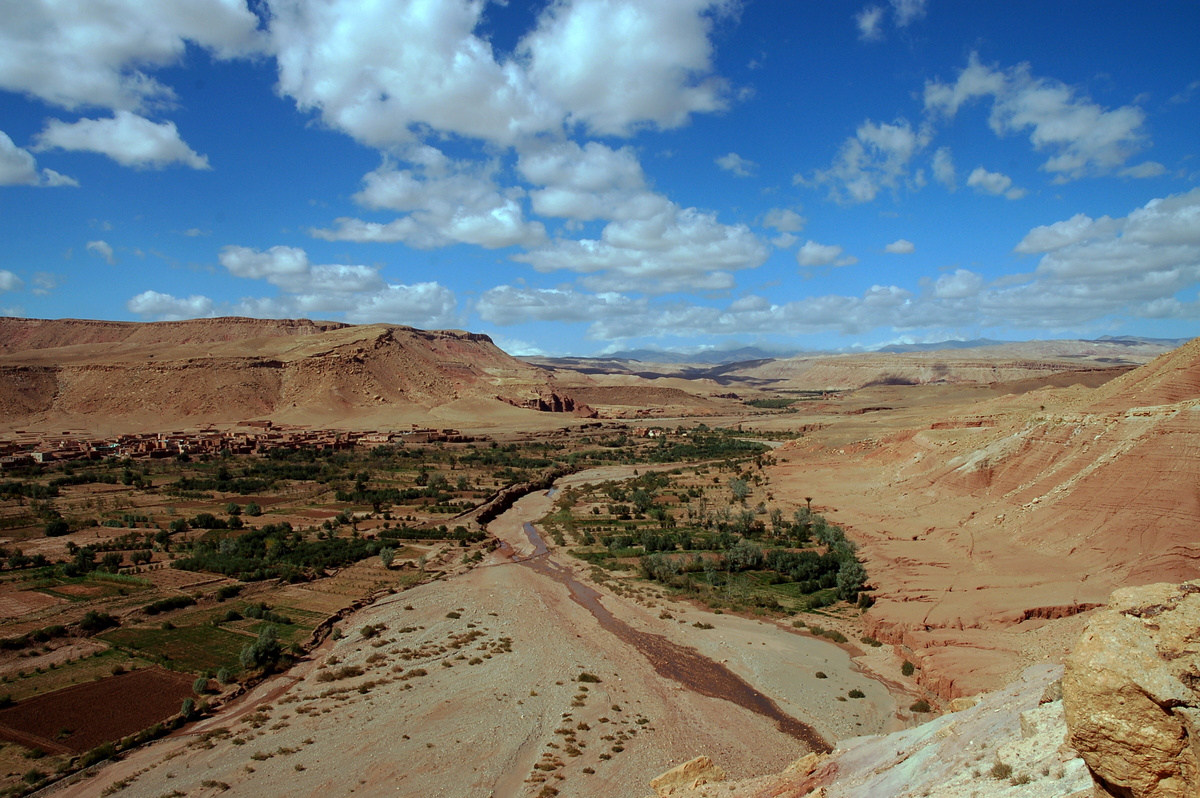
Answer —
97 712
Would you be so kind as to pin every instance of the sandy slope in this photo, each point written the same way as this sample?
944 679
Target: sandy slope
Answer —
988 527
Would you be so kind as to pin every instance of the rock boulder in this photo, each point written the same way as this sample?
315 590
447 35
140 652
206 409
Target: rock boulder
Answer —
1131 693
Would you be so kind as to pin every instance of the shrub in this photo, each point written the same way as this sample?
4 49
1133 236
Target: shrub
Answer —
856 693
588 677
920 706
1001 770
97 621
821 675
908 668
200 686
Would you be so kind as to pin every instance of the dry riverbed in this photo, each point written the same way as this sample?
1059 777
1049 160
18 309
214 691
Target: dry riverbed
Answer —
498 682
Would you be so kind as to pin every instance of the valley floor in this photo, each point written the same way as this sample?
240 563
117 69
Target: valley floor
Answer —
494 681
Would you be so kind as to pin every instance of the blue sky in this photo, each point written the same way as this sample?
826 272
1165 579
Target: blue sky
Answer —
583 176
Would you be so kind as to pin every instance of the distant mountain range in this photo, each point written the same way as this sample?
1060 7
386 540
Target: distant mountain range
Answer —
717 357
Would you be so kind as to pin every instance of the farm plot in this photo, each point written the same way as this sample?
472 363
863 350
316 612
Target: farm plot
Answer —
80 718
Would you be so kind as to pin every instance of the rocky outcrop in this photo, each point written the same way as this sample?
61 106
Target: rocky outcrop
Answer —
688 776
1132 693
553 402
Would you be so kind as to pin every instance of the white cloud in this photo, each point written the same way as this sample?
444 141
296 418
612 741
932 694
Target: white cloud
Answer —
615 65
171 308
608 65
127 138
1135 265
508 304
959 285
1078 228
877 157
900 247
77 53
784 220
870 23
659 253
1144 170
814 254
19 168
10 281
587 182
907 11
449 202
1084 138
44 283
943 168
102 249
732 162
993 183
429 306
289 268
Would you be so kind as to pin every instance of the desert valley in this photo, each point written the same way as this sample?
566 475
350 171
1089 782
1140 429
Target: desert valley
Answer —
293 557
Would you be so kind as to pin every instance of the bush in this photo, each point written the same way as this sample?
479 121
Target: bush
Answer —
97 621
1001 770
57 527
588 677
920 706
856 693
908 668
200 686
821 675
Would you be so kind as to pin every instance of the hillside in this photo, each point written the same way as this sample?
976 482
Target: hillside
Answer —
987 529
131 375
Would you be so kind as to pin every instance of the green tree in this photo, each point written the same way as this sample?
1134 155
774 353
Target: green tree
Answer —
850 579
252 509
57 527
740 489
264 652
386 555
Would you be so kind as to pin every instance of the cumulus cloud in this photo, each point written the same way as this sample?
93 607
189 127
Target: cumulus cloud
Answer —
1083 137
508 304
732 162
660 253
814 254
785 220
615 65
289 269
10 281
870 23
587 182
1078 228
959 285
102 249
152 304
1144 170
609 66
875 158
1136 265
448 202
127 138
19 168
943 168
428 306
900 247
84 54
994 183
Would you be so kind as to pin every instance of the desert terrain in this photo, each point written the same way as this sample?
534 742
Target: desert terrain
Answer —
994 497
